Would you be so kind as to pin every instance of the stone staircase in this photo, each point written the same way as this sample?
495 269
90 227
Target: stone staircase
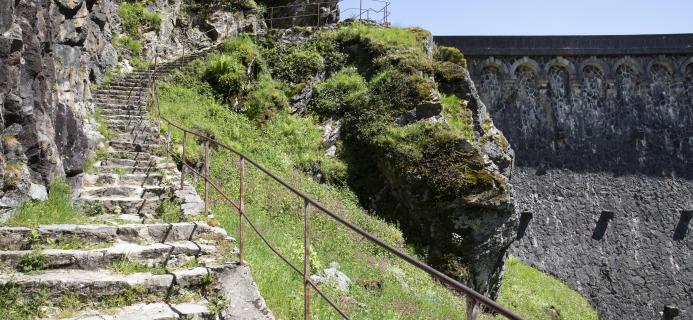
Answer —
131 265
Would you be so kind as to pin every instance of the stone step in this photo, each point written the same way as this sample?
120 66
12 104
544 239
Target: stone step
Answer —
152 162
21 238
169 255
164 167
117 111
149 138
137 147
133 107
118 100
134 123
152 311
124 128
97 285
123 205
139 156
121 96
121 191
132 91
138 179
139 117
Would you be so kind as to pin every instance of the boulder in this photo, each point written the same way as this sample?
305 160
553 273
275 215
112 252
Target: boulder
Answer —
333 277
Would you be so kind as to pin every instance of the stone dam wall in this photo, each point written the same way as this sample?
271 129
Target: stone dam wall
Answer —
602 127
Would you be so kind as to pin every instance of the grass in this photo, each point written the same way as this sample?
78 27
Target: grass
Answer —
129 43
58 209
135 17
383 286
170 212
130 267
33 261
533 294
458 117
13 306
282 145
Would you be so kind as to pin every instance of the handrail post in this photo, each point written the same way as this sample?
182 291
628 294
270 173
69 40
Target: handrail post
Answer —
241 210
360 9
182 167
271 19
306 258
318 15
206 164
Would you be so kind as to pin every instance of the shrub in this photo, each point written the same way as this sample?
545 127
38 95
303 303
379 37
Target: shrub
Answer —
399 92
33 261
225 73
450 54
295 64
129 43
134 15
344 90
264 100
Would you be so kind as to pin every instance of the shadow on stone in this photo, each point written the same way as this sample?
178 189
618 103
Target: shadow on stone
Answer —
602 224
525 218
670 312
682 227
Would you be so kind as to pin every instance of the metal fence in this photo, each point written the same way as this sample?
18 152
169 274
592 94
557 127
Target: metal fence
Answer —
474 298
377 10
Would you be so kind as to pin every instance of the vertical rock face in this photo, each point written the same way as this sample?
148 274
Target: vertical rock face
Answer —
51 52
48 52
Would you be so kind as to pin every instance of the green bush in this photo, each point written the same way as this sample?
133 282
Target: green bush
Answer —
226 74
129 43
295 64
345 90
134 15
399 92
264 99
33 261
450 54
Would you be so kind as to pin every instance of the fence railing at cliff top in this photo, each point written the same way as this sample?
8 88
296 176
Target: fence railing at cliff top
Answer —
473 298
374 10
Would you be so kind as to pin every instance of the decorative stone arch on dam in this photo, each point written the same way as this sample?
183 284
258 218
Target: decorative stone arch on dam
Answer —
602 128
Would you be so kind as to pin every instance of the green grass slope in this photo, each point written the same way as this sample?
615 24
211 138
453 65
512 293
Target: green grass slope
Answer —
384 287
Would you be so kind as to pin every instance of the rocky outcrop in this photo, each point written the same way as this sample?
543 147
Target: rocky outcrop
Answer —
183 30
303 13
49 52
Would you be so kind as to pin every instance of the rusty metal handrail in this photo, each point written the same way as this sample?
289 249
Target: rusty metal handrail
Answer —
475 297
361 11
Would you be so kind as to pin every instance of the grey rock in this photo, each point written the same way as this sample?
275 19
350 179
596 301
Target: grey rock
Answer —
244 299
333 277
38 192
422 112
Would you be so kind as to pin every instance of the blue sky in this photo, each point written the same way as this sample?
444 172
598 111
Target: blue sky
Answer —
541 17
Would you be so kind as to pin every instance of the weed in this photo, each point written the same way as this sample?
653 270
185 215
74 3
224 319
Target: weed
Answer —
130 267
129 43
15 306
264 100
169 211
130 295
33 261
135 16
58 209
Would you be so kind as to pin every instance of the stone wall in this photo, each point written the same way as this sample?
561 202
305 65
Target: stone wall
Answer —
604 161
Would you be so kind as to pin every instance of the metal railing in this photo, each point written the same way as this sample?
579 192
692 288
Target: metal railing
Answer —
380 13
474 298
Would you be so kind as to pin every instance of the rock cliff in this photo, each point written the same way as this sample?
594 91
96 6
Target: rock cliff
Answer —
52 53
